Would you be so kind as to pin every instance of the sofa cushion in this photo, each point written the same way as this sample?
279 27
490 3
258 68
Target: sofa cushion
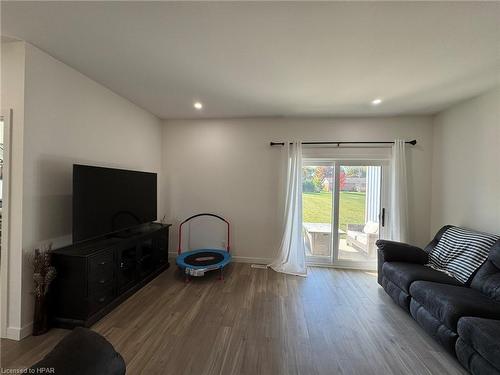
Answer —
494 255
403 274
398 295
437 238
487 279
483 336
391 251
460 252
371 227
358 236
448 303
433 327
472 360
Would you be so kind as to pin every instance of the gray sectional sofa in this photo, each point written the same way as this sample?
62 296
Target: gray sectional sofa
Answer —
464 318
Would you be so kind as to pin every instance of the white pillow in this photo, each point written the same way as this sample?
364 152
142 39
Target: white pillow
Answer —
371 228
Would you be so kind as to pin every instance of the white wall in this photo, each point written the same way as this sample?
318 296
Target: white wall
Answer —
71 119
228 167
466 165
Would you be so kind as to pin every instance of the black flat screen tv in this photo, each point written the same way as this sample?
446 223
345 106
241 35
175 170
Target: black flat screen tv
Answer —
107 200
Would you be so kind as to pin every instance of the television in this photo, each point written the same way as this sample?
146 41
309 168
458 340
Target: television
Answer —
108 200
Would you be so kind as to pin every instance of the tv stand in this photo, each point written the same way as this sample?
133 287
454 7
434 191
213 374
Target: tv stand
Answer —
123 234
94 277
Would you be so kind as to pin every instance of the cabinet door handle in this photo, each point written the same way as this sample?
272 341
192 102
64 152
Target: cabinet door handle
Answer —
102 263
121 265
102 281
102 299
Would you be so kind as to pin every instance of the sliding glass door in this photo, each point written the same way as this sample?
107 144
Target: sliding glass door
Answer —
317 210
344 206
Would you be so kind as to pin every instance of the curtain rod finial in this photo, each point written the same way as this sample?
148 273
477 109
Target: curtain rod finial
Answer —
414 142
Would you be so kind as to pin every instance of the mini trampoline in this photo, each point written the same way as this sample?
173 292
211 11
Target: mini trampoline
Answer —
197 262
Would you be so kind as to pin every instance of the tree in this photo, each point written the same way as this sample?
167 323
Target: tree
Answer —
313 178
319 178
354 171
342 179
308 186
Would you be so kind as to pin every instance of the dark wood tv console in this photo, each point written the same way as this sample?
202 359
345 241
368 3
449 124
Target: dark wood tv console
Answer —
95 276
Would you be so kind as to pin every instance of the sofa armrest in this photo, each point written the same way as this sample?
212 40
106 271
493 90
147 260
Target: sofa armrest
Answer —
391 251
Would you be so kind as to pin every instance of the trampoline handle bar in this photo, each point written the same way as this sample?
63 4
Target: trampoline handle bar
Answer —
228 246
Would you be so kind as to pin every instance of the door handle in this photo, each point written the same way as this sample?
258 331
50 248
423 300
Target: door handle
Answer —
382 217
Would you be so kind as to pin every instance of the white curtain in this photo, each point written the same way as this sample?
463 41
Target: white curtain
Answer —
291 257
399 195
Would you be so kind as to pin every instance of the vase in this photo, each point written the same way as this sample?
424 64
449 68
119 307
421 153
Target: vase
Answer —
41 320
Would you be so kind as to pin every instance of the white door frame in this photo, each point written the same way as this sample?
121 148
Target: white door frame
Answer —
4 263
333 260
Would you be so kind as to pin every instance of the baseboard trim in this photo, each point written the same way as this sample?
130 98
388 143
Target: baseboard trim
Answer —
355 267
19 333
239 259
256 260
236 259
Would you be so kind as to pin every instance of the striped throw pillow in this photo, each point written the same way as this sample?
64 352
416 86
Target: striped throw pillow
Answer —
460 252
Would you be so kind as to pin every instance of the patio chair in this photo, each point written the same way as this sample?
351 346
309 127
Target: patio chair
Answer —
362 237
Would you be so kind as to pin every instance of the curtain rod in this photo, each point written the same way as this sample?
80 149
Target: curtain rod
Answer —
413 143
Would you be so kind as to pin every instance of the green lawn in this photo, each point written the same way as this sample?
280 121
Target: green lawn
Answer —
317 208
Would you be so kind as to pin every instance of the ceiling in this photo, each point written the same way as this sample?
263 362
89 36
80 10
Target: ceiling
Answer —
243 59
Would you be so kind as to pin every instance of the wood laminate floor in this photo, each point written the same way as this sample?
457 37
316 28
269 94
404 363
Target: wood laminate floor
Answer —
259 322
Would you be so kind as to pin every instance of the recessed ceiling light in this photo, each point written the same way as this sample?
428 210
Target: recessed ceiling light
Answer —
198 105
376 101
